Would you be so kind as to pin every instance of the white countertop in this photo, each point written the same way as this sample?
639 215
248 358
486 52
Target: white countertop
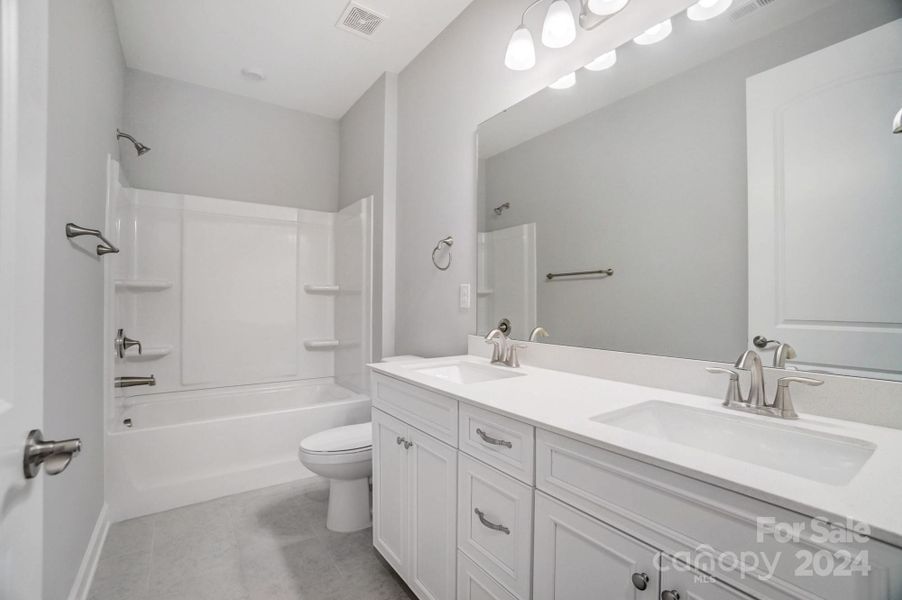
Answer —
564 403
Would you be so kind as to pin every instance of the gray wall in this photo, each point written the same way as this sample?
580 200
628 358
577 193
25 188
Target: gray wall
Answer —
458 81
654 185
368 167
85 107
210 143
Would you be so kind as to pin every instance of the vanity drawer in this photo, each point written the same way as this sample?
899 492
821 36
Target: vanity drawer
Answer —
499 441
428 411
475 584
702 523
494 523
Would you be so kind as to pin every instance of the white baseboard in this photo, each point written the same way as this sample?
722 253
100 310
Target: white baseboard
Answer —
82 584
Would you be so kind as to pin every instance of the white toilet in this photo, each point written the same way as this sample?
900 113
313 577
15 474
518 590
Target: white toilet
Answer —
345 456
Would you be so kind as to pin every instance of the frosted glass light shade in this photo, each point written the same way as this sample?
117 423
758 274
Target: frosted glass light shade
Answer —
605 61
655 34
708 9
521 51
607 7
559 29
565 82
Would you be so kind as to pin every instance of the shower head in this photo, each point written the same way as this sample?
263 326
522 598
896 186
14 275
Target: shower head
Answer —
139 147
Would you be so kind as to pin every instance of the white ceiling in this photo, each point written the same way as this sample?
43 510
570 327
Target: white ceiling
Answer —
310 65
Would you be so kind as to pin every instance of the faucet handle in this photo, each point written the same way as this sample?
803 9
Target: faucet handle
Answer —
734 394
783 400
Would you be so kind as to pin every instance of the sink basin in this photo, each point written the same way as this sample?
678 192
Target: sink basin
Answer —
816 456
465 372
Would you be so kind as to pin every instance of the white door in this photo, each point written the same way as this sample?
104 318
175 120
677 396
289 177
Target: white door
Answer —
433 517
578 557
825 218
683 583
23 122
390 489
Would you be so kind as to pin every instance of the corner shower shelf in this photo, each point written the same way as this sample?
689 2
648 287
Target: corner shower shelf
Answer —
143 285
150 353
325 290
321 344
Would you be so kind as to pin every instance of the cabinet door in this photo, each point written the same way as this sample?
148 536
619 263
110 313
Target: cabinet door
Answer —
684 583
475 584
580 558
432 517
390 485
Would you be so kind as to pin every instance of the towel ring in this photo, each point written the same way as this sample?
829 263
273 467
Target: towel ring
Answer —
448 241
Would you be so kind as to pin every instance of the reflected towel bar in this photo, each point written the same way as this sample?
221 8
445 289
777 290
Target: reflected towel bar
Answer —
73 230
607 272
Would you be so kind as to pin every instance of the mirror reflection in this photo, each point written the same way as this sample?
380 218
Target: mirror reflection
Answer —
735 184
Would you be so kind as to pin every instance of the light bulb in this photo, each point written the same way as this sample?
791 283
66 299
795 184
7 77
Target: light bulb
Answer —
605 61
707 9
521 51
608 7
655 34
559 29
565 82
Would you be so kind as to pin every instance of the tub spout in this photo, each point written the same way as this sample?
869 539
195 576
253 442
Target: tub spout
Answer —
124 382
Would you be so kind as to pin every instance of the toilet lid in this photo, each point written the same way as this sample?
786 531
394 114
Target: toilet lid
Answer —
340 439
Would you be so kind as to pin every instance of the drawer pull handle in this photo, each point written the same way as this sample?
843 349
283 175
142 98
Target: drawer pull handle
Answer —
491 525
670 595
640 581
494 441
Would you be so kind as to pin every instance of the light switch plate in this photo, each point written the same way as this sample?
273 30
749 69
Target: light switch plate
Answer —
465 295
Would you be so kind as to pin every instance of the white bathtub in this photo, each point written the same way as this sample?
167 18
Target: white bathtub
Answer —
188 447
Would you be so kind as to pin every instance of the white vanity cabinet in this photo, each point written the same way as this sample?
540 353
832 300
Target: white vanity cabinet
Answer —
414 506
475 505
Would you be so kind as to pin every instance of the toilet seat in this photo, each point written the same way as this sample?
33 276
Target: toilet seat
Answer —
347 440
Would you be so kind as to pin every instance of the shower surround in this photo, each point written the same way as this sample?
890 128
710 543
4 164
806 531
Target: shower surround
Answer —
255 321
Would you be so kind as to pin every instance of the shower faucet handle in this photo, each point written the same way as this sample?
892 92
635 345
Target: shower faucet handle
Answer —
123 343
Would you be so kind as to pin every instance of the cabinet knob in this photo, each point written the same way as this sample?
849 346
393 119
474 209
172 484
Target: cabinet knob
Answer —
670 595
407 445
640 581
400 440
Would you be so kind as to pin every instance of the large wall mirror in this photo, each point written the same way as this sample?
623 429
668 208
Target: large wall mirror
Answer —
738 179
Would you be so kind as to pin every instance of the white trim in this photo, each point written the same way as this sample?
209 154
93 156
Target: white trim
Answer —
85 576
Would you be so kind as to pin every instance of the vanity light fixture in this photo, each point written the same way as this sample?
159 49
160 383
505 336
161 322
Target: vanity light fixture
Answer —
607 7
521 51
655 34
559 29
707 9
565 82
605 61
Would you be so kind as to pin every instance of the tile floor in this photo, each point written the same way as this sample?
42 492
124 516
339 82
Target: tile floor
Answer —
269 544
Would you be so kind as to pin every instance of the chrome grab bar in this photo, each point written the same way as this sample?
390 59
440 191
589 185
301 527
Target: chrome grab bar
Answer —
494 441
608 272
107 247
489 524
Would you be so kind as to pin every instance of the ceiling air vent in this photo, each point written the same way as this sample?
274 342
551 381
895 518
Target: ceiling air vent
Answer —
747 8
359 20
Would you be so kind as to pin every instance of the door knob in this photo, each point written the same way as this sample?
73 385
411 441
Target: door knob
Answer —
670 595
55 456
640 581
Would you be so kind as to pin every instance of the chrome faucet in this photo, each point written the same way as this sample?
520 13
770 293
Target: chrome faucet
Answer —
499 340
783 353
750 361
505 351
756 402
537 333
